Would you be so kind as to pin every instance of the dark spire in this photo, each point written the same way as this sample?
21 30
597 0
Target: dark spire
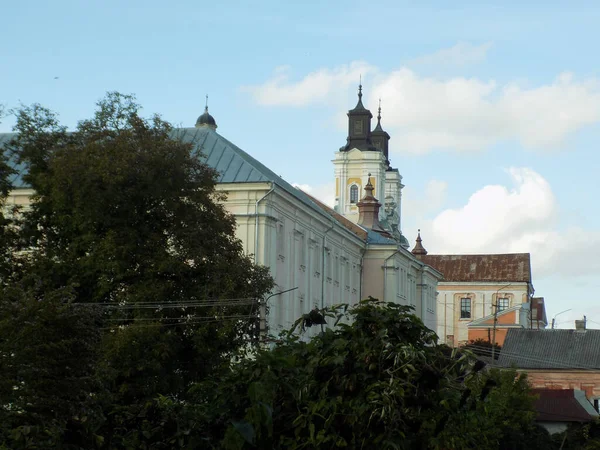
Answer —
380 138
206 120
419 250
378 127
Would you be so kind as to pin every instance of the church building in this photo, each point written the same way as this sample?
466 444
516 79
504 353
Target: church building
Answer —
318 256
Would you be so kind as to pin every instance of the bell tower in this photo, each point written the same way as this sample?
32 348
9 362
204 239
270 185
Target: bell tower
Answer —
355 161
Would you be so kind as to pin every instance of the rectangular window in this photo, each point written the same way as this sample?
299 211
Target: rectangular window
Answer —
502 303
354 194
465 308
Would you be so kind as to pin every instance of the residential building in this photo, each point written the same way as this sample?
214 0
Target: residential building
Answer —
493 328
473 286
556 359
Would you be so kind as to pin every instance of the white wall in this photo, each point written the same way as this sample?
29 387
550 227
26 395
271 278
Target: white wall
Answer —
294 241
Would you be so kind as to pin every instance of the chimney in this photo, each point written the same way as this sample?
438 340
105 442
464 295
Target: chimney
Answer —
580 324
368 210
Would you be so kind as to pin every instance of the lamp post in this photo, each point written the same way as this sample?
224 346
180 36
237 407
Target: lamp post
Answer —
557 314
263 311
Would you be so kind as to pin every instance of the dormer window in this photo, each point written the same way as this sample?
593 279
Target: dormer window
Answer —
354 194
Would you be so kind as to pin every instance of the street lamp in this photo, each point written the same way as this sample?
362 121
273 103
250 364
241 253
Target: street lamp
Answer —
263 310
557 314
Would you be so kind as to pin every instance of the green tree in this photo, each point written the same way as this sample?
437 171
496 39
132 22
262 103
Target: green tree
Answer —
127 219
377 381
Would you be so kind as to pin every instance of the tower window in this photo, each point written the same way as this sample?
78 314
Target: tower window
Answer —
353 193
358 127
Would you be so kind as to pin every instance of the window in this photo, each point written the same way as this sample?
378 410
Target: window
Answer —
358 127
353 193
465 308
502 304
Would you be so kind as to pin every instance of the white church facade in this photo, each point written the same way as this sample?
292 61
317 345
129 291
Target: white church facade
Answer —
319 256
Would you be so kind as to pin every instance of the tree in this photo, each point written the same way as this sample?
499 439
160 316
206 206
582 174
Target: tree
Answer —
127 219
379 380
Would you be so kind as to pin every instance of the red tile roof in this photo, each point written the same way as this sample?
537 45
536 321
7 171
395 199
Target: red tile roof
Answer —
560 405
515 267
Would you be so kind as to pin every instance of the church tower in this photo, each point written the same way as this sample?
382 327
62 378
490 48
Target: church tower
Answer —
365 160
355 161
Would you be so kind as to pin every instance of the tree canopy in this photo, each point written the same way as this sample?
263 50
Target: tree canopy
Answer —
126 238
376 380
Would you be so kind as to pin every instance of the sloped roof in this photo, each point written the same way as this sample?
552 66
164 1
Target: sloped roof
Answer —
356 229
232 163
488 320
515 267
563 405
551 349
371 236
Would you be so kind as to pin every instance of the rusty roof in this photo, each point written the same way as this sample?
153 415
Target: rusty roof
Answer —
562 405
515 267
361 233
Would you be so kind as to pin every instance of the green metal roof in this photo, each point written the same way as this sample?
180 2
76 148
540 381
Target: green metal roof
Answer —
232 163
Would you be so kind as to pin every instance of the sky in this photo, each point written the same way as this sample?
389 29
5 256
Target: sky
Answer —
493 109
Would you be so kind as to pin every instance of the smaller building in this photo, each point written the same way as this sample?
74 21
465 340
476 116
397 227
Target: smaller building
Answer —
558 408
475 287
493 328
556 359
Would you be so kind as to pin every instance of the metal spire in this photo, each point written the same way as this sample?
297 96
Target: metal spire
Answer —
360 87
206 104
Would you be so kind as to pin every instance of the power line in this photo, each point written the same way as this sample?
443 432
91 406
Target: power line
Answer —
521 357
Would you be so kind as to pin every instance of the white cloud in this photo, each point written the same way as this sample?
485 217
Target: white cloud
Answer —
457 113
316 87
416 205
461 54
324 192
519 218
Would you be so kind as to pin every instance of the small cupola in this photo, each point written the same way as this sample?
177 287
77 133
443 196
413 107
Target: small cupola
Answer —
368 210
419 250
359 127
206 120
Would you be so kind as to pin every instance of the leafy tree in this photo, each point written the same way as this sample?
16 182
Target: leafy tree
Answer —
127 220
47 355
483 347
379 380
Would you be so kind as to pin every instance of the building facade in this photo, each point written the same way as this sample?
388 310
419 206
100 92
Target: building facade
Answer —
474 286
318 256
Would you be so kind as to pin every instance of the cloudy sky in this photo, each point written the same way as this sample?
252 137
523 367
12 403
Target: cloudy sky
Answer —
493 111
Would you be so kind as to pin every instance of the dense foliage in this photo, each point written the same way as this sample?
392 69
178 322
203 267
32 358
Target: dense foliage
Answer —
122 282
376 380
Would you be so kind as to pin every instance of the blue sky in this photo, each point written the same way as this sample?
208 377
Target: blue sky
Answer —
493 110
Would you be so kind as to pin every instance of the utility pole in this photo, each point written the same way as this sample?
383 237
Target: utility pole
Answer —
495 306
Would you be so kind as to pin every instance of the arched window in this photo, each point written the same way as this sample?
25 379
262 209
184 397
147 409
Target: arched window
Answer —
353 193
